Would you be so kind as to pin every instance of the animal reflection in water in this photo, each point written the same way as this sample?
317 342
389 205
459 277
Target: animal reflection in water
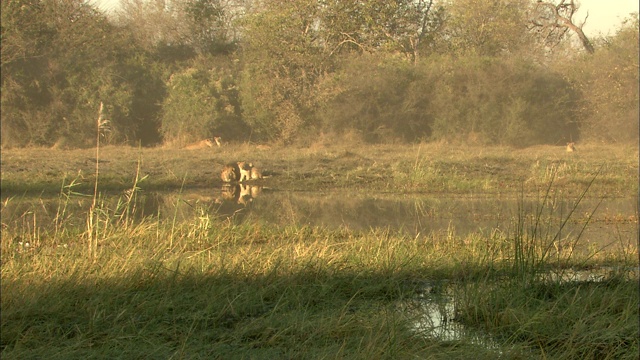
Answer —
240 172
242 194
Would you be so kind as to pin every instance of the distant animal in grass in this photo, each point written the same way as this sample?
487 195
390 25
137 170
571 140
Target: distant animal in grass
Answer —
199 145
571 147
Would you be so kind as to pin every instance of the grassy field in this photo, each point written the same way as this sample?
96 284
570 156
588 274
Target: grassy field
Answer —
120 287
426 168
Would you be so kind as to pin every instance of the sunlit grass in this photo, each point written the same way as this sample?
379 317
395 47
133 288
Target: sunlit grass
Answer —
205 287
432 167
110 284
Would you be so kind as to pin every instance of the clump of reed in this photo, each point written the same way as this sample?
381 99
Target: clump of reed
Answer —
537 303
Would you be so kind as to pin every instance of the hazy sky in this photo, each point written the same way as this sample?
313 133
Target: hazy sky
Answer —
604 15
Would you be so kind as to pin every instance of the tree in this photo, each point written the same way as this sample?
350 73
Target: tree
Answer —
202 102
484 27
198 26
52 70
500 100
380 97
608 81
63 58
283 58
552 21
400 25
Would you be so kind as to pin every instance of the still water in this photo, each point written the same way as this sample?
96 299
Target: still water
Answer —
610 220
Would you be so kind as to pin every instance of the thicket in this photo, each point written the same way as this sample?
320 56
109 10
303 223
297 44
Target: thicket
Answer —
271 71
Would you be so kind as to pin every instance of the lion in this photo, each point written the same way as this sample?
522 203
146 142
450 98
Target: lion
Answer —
244 171
256 174
199 145
571 147
239 171
230 173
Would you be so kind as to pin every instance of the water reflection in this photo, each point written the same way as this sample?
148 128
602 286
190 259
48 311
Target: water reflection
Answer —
235 201
242 194
434 307
435 311
410 214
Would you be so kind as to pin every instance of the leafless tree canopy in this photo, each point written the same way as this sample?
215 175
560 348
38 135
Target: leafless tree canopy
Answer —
553 21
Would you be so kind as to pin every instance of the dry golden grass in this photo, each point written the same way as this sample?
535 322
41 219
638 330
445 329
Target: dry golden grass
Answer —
433 167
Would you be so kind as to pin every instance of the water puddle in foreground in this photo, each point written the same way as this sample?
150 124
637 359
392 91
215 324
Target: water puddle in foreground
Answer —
435 306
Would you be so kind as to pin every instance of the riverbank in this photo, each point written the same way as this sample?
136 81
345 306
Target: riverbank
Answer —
427 168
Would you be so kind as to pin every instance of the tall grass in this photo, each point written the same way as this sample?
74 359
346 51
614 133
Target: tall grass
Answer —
537 306
534 238
204 287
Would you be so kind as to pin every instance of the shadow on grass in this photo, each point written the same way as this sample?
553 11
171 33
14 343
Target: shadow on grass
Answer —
315 313
159 313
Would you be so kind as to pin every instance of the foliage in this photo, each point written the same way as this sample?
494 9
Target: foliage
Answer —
390 26
288 71
487 28
377 98
484 99
50 93
501 101
201 102
283 60
195 26
609 81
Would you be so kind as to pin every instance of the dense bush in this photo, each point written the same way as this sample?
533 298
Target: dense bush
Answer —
60 59
288 71
377 99
201 102
505 101
608 81
485 99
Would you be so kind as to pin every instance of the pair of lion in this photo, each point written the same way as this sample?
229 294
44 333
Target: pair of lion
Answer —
240 171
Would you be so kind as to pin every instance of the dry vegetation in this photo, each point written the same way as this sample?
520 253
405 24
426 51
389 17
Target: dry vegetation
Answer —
202 287
425 168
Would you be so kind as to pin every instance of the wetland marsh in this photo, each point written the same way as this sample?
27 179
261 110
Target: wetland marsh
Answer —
341 252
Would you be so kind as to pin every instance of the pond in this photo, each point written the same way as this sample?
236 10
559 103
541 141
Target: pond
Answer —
610 220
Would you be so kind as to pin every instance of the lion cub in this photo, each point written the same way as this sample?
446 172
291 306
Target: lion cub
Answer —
571 147
244 171
256 174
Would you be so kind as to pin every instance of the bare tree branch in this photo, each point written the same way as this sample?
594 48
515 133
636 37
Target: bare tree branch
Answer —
551 18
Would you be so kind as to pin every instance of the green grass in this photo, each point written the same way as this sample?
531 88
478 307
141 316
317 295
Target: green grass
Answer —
107 284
